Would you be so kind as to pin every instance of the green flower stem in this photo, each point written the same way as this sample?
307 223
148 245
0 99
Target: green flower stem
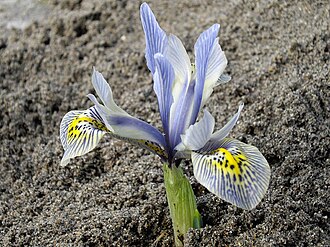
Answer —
181 201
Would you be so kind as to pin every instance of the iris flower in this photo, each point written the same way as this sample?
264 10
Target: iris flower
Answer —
234 171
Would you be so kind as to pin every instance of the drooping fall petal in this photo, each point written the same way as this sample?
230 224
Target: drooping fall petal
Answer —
234 171
80 132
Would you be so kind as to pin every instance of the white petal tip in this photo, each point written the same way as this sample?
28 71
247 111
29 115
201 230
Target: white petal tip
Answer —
64 162
241 105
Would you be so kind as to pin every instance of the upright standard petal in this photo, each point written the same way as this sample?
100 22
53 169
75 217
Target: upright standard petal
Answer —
236 172
179 59
156 40
180 115
182 89
216 64
198 134
80 132
104 91
224 131
163 81
210 64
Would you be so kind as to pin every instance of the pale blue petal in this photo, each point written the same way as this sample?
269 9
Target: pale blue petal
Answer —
102 88
216 64
126 126
156 39
130 127
178 57
163 81
102 109
104 91
132 130
234 171
210 63
197 135
182 90
222 133
138 132
224 78
180 115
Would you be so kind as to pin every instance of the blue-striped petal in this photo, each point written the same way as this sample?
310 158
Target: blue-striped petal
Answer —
216 64
163 81
119 121
156 40
210 63
179 59
224 131
180 115
133 130
198 134
234 171
104 91
182 90
80 132
224 78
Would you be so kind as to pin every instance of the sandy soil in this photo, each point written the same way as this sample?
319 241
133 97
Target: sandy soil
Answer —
279 60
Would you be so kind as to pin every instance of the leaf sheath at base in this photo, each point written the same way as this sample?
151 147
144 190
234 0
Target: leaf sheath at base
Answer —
182 203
